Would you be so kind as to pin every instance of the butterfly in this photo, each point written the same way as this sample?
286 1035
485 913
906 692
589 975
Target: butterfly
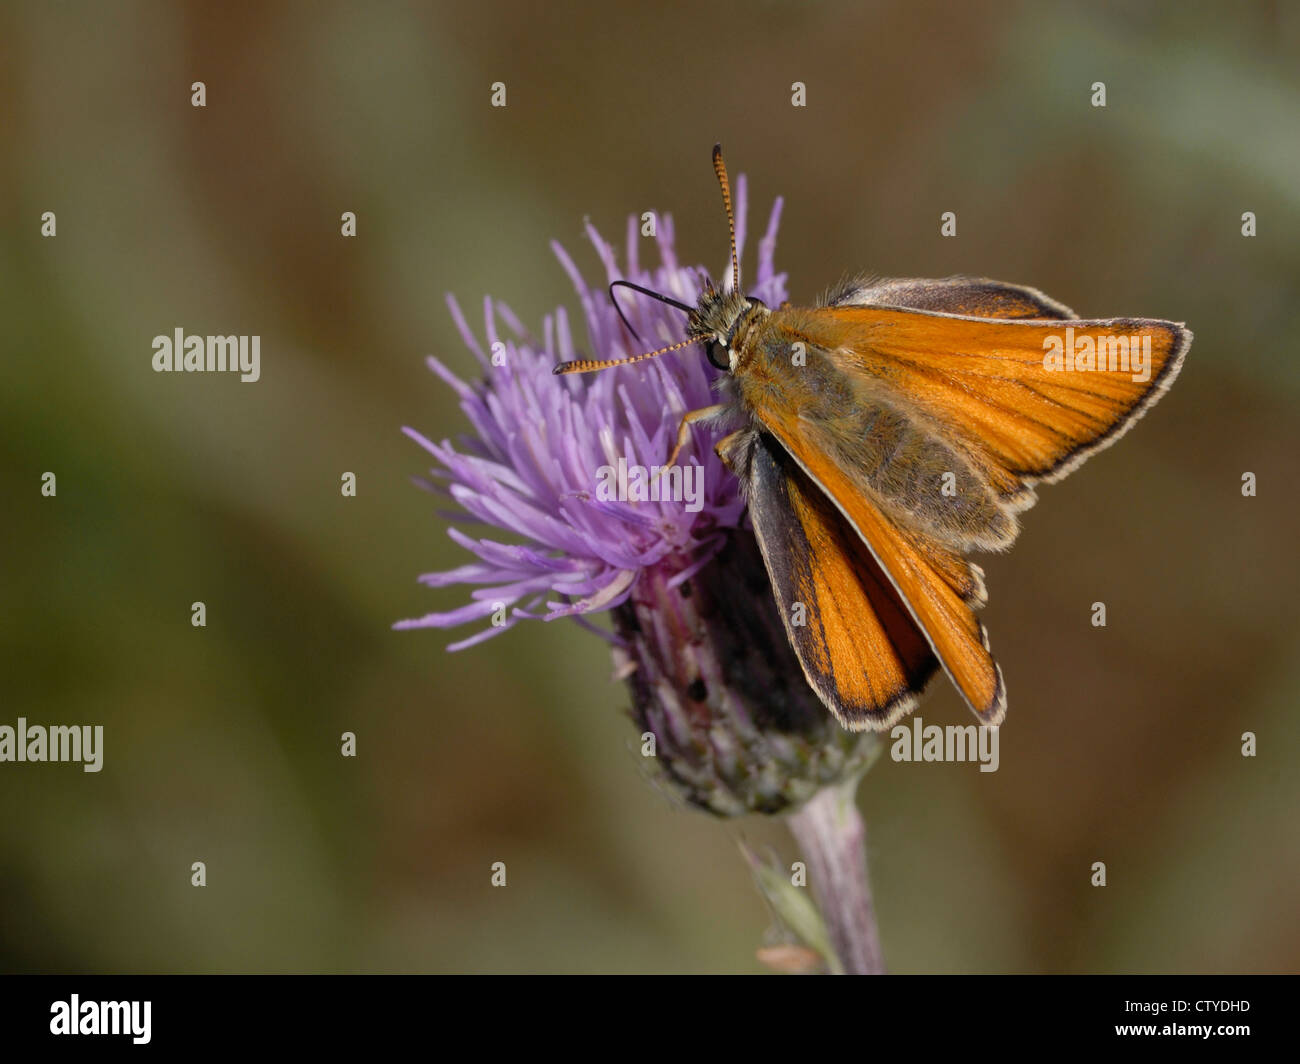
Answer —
887 432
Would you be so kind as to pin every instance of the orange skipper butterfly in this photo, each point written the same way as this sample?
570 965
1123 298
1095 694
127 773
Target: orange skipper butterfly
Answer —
887 432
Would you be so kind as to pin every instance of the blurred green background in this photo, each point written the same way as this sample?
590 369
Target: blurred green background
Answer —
222 743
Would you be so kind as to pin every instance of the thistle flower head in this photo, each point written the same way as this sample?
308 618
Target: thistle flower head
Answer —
712 676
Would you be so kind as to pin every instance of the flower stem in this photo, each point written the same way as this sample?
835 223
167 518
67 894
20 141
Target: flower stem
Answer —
832 837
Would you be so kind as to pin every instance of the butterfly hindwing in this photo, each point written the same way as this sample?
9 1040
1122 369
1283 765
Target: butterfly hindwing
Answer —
920 571
859 646
976 297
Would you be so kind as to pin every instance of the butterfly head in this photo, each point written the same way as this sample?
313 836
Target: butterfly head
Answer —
717 320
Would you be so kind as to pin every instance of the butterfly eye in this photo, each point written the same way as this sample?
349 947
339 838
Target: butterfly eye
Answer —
717 356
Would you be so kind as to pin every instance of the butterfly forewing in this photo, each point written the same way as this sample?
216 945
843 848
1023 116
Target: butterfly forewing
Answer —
987 383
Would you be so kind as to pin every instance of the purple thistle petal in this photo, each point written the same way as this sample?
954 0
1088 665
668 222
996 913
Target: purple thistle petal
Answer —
742 204
474 611
767 246
481 637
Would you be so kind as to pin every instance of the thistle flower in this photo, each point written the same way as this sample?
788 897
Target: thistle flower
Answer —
696 631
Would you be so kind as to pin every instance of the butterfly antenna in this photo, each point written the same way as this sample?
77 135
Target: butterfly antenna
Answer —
584 365
645 292
720 168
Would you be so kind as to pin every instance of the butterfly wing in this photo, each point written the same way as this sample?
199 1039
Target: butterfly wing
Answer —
987 383
860 648
925 576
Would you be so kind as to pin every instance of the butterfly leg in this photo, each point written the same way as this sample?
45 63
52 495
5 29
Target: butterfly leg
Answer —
684 431
726 448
